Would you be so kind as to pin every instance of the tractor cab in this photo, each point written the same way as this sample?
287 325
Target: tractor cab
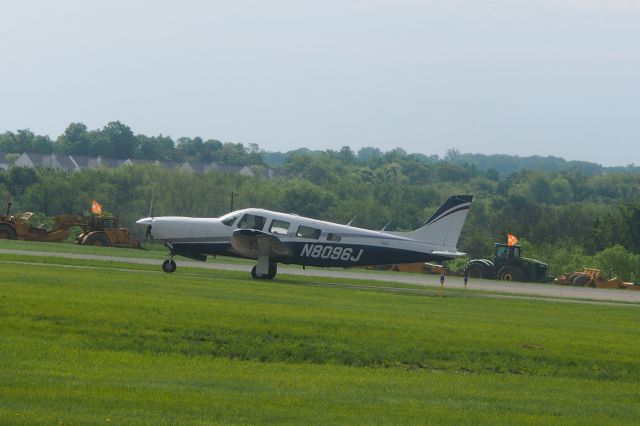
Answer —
504 251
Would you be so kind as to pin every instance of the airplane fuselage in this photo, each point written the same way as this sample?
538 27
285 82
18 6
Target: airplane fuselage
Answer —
273 237
308 242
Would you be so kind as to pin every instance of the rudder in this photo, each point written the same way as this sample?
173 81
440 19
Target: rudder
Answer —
445 225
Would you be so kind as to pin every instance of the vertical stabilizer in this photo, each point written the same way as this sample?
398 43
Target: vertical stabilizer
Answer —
445 226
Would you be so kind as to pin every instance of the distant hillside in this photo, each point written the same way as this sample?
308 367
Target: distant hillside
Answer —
506 164
503 164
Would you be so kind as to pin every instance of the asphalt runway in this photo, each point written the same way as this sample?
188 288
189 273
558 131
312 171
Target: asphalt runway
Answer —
522 289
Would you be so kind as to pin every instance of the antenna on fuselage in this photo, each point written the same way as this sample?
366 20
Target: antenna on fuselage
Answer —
384 228
351 221
153 195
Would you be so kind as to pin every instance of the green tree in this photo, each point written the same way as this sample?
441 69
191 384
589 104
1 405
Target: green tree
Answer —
75 140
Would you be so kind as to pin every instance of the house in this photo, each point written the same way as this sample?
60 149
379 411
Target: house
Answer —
62 162
53 161
70 163
30 159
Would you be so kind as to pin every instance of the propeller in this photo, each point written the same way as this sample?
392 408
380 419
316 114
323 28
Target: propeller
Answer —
147 234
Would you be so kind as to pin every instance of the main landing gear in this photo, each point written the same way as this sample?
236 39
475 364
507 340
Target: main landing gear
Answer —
273 269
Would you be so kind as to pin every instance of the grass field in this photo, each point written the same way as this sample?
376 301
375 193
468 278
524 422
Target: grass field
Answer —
122 344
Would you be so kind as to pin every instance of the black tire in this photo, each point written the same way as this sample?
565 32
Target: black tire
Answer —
509 274
273 270
581 280
99 240
477 270
7 232
169 266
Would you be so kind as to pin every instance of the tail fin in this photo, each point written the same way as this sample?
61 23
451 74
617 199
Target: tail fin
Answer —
445 226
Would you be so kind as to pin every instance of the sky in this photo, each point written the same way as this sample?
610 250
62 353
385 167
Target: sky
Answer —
518 77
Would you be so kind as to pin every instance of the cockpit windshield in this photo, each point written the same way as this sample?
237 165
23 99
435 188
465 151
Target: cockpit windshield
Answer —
229 218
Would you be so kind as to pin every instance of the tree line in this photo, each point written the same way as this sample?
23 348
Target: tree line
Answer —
117 140
566 218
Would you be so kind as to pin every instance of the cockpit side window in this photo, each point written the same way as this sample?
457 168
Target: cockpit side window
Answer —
308 232
252 221
279 227
333 237
228 220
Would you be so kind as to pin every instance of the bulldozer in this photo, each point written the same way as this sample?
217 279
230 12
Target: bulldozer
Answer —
508 265
104 230
97 230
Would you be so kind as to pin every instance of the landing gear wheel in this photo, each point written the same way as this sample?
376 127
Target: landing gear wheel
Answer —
273 270
169 266
509 274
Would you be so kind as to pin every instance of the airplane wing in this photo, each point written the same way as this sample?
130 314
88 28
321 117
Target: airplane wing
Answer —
252 243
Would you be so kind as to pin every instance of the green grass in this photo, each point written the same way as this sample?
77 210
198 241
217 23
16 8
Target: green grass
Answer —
150 251
111 345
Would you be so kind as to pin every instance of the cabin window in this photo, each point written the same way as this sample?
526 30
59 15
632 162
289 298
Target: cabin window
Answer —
279 227
229 219
334 237
308 232
252 221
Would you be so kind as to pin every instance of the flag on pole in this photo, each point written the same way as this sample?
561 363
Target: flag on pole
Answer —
96 208
511 240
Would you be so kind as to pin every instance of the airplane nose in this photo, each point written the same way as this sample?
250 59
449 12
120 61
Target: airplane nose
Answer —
145 222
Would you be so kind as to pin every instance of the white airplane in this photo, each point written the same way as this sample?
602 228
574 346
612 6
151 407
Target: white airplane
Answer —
271 237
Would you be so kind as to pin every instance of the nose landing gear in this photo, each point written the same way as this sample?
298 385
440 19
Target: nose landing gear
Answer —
169 265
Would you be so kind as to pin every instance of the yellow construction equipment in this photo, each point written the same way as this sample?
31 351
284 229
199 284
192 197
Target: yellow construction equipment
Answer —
591 277
97 230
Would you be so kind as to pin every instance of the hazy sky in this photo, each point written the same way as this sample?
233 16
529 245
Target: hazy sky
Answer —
525 77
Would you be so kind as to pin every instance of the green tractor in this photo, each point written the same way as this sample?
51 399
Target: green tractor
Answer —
508 265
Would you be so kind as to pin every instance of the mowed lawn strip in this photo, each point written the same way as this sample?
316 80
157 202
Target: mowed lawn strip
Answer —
88 345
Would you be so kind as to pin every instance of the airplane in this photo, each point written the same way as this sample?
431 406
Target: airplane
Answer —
271 237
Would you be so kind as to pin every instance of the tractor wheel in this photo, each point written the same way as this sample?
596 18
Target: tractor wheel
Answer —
581 280
509 273
97 240
476 270
7 232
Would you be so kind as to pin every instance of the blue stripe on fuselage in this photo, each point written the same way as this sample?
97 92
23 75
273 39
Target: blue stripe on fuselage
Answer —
322 254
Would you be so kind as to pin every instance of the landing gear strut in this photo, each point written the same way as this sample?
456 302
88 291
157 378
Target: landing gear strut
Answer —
273 269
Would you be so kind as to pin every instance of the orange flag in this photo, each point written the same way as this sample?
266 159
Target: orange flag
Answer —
96 208
511 240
